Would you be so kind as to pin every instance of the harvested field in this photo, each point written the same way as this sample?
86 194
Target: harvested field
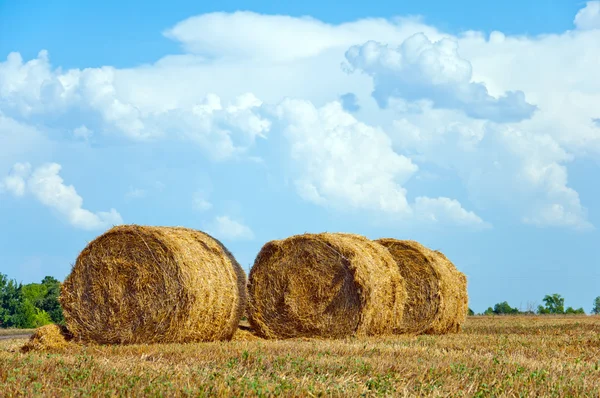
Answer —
492 356
325 285
138 284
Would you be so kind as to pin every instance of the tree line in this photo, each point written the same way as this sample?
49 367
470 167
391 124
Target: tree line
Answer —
553 304
29 306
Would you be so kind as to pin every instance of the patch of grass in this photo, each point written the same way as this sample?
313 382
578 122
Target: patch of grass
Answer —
493 356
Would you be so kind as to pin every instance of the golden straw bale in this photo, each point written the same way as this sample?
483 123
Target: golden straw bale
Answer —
324 285
141 284
437 300
49 338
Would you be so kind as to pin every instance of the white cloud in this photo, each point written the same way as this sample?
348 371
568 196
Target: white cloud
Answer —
556 215
14 182
419 69
341 161
46 185
500 165
33 88
589 16
464 82
279 38
446 211
558 74
223 227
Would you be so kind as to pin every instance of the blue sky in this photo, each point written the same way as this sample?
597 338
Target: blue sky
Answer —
466 126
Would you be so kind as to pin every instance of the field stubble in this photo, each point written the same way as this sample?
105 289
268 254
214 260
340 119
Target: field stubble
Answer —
506 356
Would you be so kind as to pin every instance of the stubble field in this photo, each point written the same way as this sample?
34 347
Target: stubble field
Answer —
492 356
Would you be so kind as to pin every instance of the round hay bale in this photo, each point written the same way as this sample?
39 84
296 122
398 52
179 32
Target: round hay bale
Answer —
324 285
437 300
140 284
49 338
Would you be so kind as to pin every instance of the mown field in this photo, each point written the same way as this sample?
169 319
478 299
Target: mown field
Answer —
493 356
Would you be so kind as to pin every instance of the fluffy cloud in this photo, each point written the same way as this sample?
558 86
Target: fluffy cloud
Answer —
443 107
589 16
248 35
33 89
419 69
223 227
46 185
14 182
500 165
343 163
446 211
557 72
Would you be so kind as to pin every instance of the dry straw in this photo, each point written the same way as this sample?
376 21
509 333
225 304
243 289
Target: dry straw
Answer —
49 338
437 292
139 284
325 285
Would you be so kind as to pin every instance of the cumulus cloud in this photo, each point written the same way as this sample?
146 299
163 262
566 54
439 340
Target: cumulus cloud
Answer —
46 185
341 161
223 227
500 165
278 38
588 17
420 69
467 91
33 89
446 211
14 182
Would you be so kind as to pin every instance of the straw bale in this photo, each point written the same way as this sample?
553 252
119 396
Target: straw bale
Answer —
324 285
437 301
48 338
141 284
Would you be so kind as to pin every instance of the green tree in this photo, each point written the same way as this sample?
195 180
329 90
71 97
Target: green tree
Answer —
571 310
11 302
50 303
24 316
504 308
596 308
554 304
470 312
29 306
